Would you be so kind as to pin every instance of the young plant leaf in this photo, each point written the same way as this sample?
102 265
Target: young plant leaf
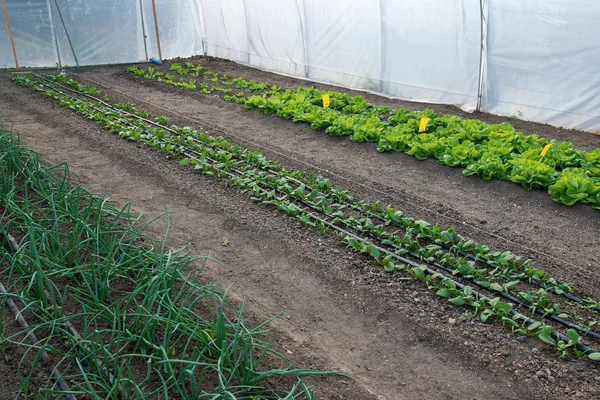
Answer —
573 336
458 301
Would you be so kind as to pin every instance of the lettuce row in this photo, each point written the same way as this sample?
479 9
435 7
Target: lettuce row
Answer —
490 151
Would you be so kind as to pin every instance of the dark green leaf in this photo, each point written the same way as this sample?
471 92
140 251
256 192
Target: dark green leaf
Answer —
458 301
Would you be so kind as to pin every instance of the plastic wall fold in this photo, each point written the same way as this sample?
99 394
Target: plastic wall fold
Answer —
543 60
275 36
343 42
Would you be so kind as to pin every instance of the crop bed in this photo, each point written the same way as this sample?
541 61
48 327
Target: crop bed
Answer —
494 286
508 287
490 151
111 313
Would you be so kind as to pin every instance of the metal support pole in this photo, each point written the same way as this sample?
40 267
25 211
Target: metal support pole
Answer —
144 29
54 34
247 29
481 48
156 28
10 35
303 34
66 32
200 10
381 58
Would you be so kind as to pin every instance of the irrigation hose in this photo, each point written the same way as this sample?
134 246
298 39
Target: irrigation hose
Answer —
209 126
52 369
70 328
372 215
434 264
404 260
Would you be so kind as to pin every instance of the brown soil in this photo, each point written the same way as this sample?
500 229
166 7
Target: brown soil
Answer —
395 338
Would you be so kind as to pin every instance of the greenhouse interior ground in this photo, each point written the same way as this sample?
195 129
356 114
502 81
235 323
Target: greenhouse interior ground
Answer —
388 333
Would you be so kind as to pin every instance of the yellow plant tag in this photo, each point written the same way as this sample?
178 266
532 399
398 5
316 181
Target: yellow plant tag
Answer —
545 150
326 100
423 124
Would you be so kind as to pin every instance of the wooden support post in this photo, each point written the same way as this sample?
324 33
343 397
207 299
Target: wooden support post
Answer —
10 35
156 27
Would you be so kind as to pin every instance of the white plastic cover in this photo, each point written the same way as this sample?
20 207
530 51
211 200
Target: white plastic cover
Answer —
101 32
32 32
382 46
543 60
431 51
344 47
225 30
6 56
180 28
539 59
280 19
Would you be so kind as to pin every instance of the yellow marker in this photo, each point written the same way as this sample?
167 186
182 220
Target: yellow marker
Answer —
423 124
545 150
325 100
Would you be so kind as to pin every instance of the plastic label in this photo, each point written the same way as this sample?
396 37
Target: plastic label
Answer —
545 150
326 100
423 125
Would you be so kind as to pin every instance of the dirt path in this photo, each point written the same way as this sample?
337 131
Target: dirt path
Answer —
392 336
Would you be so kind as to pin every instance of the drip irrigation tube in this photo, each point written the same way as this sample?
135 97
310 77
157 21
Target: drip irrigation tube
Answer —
357 237
434 264
70 328
367 213
221 130
208 127
52 369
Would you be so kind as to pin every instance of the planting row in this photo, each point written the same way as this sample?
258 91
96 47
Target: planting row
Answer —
453 242
424 251
490 151
146 326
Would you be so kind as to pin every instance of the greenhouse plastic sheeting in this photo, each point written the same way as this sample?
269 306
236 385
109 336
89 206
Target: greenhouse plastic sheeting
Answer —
431 51
225 30
107 31
6 56
281 19
180 27
529 59
32 32
344 47
100 32
543 60
374 45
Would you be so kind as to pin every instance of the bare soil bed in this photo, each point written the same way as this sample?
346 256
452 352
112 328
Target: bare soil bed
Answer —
393 336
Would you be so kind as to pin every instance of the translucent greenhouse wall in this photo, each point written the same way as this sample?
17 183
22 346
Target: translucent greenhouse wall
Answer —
523 58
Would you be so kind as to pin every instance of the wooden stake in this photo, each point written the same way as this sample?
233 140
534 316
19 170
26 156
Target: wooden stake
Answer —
155 27
10 35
